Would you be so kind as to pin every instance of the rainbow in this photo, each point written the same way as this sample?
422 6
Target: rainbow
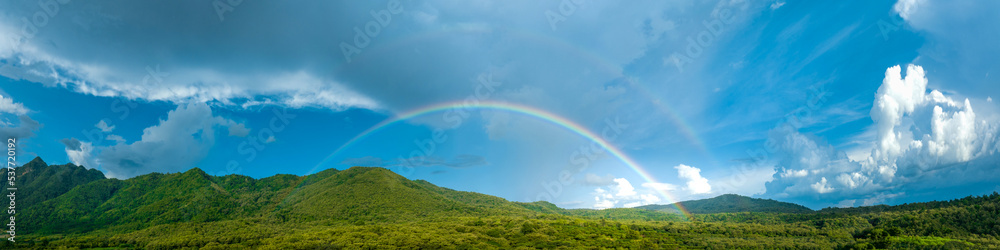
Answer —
545 39
679 122
519 109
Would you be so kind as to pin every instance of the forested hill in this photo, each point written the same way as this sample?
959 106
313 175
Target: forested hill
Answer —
365 207
731 203
76 200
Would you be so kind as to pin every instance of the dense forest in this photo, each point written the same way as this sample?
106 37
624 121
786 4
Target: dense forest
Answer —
374 208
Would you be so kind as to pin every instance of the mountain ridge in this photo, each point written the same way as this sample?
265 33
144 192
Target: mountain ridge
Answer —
730 203
45 181
356 194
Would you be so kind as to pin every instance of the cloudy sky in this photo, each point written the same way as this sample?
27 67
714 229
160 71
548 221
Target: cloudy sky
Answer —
587 104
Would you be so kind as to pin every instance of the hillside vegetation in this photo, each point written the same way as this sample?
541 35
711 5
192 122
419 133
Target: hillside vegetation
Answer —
361 208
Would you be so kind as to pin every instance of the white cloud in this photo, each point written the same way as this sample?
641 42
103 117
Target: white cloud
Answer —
7 105
794 173
239 130
103 126
899 113
250 63
959 42
24 128
806 160
621 192
777 5
624 188
603 199
116 138
821 186
953 136
695 183
917 134
33 60
852 180
40 63
895 98
906 8
175 144
82 154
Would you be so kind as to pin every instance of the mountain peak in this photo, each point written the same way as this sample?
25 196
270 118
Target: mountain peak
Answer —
195 172
36 162
46 182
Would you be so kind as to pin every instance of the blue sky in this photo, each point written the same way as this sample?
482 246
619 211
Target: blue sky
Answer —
819 103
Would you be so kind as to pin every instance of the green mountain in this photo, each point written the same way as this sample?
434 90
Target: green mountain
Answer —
357 194
731 203
377 194
364 207
36 181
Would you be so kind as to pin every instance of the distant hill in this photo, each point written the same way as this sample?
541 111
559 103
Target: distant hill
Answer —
731 203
